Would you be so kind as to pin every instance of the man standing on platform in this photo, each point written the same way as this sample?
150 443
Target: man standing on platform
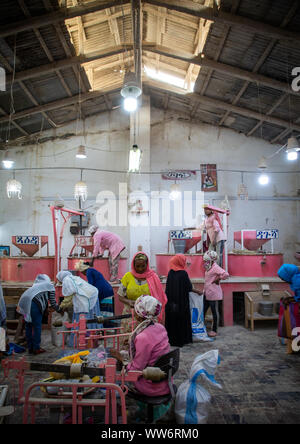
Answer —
213 226
105 240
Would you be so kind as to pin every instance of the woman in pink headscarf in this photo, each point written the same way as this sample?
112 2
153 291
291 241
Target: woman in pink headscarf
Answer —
141 280
178 315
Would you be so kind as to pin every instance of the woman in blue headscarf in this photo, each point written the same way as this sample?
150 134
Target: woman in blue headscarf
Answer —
291 274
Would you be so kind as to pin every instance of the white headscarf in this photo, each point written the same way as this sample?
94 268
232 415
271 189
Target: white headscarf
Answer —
147 308
93 229
85 295
62 274
42 284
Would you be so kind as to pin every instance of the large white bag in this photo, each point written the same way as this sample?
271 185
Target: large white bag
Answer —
57 324
192 400
197 318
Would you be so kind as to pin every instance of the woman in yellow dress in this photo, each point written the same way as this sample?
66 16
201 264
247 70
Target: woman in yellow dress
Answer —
141 280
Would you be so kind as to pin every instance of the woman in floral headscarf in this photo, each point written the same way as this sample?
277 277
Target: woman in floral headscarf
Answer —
148 342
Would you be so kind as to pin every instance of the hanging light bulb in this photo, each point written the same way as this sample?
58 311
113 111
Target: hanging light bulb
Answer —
130 104
175 192
263 179
135 155
81 191
81 152
7 161
292 154
130 91
13 189
292 148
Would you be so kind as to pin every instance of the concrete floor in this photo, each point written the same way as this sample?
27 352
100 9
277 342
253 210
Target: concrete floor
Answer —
260 382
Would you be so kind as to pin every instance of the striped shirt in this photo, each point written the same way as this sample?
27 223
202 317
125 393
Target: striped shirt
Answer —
42 299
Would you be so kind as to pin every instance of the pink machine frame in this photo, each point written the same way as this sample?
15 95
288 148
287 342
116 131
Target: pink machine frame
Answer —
81 338
76 401
58 242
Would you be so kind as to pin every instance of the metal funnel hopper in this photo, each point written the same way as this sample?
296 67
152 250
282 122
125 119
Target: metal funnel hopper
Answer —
190 243
249 240
85 242
29 244
182 246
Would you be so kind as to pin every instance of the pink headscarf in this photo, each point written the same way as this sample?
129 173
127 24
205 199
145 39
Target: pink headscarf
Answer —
153 281
178 262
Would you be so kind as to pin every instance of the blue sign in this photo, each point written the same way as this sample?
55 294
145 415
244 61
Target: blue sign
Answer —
267 234
27 240
181 234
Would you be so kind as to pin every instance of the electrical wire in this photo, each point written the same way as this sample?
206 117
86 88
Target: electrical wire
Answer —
12 103
145 173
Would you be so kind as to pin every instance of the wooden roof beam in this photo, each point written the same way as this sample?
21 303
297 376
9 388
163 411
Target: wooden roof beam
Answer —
219 104
51 106
234 8
15 123
208 13
183 6
63 41
67 63
190 98
200 61
226 69
200 40
59 16
45 47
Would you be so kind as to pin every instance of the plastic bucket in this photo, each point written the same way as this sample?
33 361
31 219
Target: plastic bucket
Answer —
266 308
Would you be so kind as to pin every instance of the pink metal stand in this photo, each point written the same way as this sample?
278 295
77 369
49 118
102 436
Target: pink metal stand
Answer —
82 334
76 401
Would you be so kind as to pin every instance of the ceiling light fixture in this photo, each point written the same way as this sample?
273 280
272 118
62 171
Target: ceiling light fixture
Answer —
13 188
130 91
263 179
81 152
7 161
81 190
135 156
292 148
175 192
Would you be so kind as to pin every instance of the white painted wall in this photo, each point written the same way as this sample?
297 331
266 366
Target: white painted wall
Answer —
175 144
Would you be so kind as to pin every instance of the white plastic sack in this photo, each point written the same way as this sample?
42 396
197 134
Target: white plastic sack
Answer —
197 318
192 400
57 324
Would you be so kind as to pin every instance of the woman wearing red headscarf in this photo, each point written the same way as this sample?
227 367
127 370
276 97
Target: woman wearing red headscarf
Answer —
178 315
141 280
